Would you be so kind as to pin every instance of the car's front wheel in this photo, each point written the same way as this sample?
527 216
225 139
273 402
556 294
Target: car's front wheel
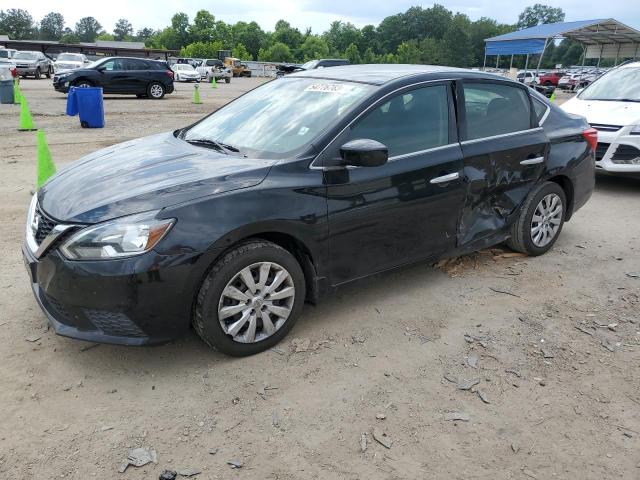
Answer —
540 221
250 299
37 75
49 72
83 84
227 80
155 90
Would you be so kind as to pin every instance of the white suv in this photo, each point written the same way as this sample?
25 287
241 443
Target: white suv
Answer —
611 105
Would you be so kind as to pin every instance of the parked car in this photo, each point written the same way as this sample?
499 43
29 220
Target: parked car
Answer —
184 72
294 189
214 68
575 81
611 105
33 63
550 78
6 55
528 78
69 61
310 65
123 75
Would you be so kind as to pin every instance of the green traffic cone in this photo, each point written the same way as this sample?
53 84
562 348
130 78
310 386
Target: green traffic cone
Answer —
46 167
214 83
552 98
17 95
196 94
26 122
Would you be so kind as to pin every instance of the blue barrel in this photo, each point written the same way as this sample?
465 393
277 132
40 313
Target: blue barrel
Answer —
72 102
90 107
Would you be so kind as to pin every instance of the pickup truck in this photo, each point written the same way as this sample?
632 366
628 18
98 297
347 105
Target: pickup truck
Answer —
551 78
214 68
33 63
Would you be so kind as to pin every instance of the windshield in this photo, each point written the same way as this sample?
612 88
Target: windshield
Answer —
70 57
25 56
310 64
4 53
620 84
183 67
280 118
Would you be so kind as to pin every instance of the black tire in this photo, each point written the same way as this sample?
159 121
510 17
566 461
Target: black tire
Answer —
547 83
156 90
227 80
82 83
205 318
49 71
38 74
521 240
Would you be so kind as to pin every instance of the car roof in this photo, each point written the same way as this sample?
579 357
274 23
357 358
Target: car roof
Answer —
379 74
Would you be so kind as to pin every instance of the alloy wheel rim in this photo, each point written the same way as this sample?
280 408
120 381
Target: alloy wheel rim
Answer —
256 302
546 220
156 90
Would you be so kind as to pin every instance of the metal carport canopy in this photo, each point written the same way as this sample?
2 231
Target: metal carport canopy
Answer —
602 38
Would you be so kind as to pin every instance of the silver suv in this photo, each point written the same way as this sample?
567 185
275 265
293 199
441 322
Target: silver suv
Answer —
33 63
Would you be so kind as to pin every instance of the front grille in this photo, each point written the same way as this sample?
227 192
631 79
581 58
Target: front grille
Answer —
114 323
601 150
626 154
45 225
606 128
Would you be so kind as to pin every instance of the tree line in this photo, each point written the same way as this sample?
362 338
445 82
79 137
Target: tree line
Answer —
432 35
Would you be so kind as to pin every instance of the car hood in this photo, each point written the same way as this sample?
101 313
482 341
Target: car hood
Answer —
149 173
604 112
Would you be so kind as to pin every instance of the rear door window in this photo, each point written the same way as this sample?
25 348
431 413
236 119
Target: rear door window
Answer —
135 64
495 109
410 122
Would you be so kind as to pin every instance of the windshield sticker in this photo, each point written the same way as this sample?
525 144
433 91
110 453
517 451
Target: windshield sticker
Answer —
328 88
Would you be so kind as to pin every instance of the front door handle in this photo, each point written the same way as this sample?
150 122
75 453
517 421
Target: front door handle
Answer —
532 161
445 178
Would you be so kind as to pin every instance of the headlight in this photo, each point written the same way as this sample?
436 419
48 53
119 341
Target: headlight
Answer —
123 237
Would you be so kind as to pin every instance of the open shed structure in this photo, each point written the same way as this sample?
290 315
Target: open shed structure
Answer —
604 38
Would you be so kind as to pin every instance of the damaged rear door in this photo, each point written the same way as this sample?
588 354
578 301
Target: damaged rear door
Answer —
504 151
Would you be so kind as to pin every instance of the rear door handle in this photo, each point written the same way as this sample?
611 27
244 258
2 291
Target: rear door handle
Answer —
445 178
532 161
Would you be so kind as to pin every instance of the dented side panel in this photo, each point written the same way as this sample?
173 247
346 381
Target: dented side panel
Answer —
497 180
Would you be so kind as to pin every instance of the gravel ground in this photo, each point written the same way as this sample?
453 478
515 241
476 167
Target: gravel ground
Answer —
553 342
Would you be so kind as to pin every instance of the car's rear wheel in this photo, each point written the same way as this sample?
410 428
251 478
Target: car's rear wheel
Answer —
547 83
541 220
155 90
227 80
49 72
250 299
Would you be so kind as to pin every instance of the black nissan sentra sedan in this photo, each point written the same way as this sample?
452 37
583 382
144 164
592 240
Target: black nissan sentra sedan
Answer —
293 189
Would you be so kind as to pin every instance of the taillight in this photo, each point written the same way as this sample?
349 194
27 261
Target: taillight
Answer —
591 136
170 73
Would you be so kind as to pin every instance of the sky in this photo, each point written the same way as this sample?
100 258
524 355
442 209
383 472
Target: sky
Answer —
317 14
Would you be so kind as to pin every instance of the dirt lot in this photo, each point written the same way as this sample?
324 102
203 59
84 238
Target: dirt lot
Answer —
555 341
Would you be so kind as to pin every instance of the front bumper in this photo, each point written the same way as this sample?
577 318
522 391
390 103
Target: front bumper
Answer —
26 70
135 301
618 151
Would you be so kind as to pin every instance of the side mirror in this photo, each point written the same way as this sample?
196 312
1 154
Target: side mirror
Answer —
364 152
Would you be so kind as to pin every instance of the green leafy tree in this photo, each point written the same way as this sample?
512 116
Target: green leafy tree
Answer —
180 26
369 39
17 24
203 28
123 29
143 34
369 56
241 52
352 54
539 14
69 36
479 31
278 52
87 29
106 37
431 51
223 34
250 35
314 47
341 35
201 50
456 43
51 26
286 34
408 52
